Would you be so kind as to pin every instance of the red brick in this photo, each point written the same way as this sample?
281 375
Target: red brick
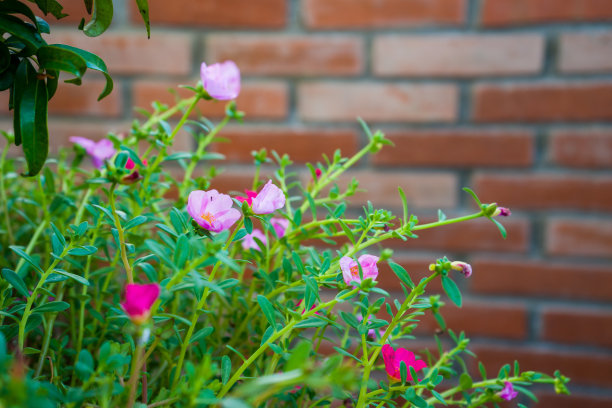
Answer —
487 319
377 102
582 367
585 52
582 400
577 326
520 12
288 54
538 102
545 191
78 100
301 144
458 55
325 14
581 237
212 13
423 190
470 236
581 148
258 99
130 52
541 279
457 148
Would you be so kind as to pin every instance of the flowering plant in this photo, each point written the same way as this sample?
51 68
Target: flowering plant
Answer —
135 283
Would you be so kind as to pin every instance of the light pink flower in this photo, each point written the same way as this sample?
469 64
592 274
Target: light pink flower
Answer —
248 241
393 359
350 268
98 151
249 197
508 392
502 211
280 226
269 199
463 267
138 301
211 210
221 80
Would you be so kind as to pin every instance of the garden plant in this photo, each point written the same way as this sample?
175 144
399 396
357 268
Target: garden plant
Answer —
129 280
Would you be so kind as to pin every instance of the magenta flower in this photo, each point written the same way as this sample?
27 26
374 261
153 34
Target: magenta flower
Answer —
502 211
280 226
211 210
221 81
249 197
318 173
508 392
463 267
248 241
350 268
269 199
129 164
297 305
98 151
393 359
138 301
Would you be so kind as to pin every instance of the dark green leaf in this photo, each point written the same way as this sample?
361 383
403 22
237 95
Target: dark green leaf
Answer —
23 31
83 250
401 274
267 309
15 280
143 9
61 59
59 235
17 7
100 19
451 289
51 6
248 225
55 306
77 278
141 219
85 364
27 258
226 369
311 322
202 333
93 62
181 253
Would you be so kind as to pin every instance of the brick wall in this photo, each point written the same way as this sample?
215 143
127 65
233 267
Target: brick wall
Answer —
510 97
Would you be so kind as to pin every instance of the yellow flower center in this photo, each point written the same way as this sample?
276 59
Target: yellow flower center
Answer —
355 271
208 217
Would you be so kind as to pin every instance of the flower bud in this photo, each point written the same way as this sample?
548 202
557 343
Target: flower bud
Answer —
463 267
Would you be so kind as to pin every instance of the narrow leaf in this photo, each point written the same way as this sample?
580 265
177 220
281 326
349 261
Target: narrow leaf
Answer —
451 289
15 280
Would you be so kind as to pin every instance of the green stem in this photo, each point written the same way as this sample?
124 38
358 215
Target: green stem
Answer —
48 333
135 373
200 305
120 232
168 113
7 218
448 221
79 214
28 309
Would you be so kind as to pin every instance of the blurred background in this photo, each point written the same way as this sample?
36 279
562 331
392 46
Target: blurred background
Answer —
512 98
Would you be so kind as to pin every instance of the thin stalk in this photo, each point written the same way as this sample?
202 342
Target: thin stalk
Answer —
7 218
120 232
47 338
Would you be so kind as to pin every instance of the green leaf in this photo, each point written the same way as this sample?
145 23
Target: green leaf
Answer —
141 219
501 228
55 306
83 250
483 371
17 7
15 280
26 33
143 9
346 353
347 231
401 274
85 365
93 62
451 289
441 215
33 122
474 196
349 319
404 204
51 6
27 258
61 59
465 381
181 253
299 354
77 278
311 322
248 225
100 19
226 369
267 309
202 333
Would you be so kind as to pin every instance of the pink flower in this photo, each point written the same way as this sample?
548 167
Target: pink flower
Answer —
393 359
502 211
129 164
98 151
211 210
221 81
463 267
508 392
249 197
269 199
297 305
350 268
280 226
318 173
138 301
371 333
248 241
